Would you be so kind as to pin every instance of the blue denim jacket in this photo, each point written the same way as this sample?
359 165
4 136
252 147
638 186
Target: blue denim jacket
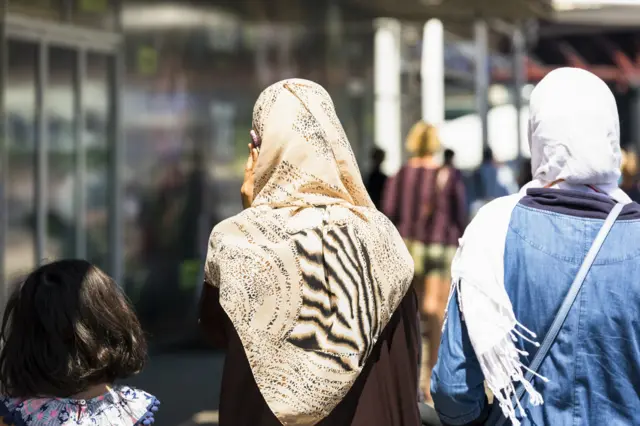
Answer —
594 364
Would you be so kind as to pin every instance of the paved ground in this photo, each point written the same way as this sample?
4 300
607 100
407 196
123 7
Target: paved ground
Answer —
187 383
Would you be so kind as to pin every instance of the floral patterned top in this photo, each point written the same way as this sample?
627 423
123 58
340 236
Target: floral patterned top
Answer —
121 406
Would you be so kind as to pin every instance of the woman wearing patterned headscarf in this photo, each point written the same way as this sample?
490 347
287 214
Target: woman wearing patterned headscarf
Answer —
309 287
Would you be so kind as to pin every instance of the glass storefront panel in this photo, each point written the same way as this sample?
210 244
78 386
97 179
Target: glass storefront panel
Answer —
98 139
3 163
167 130
187 96
61 182
94 13
20 106
188 99
59 186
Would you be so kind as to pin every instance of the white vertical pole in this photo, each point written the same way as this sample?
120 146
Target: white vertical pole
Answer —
432 70
387 92
481 35
79 125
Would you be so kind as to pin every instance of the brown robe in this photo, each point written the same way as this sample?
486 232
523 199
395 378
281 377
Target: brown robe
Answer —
385 394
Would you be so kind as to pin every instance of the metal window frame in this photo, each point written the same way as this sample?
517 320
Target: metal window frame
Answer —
61 34
3 152
80 198
42 151
46 34
116 240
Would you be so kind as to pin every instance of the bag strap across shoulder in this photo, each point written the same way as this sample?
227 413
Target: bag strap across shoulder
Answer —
561 316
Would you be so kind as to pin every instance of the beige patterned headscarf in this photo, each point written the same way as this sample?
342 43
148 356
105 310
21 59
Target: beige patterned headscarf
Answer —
311 273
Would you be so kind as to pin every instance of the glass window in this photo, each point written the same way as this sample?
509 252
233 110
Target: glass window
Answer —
98 141
20 103
61 186
94 13
191 81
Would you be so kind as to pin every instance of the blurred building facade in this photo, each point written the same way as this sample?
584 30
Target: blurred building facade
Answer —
125 127
125 123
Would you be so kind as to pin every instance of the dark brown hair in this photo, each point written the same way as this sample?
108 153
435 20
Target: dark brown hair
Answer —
67 327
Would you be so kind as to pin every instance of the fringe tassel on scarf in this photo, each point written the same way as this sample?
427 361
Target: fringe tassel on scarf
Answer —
502 367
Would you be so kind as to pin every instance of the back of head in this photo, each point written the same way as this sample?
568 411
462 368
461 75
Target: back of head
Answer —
67 327
448 156
487 155
423 140
378 155
574 132
305 157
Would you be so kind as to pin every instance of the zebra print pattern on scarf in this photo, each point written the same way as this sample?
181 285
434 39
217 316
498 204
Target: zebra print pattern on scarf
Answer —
338 317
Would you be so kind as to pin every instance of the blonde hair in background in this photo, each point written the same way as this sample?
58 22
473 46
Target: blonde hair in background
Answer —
423 140
629 166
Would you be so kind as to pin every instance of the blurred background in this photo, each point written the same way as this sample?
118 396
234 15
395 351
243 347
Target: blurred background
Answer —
125 123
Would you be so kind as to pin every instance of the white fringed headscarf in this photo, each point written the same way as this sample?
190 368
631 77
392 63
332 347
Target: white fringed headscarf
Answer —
574 135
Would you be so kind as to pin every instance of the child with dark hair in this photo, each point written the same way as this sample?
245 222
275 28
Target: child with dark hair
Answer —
68 333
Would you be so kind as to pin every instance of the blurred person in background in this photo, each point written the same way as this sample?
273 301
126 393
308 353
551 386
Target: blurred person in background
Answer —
309 288
524 255
168 220
161 212
377 178
629 178
493 180
426 201
447 158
